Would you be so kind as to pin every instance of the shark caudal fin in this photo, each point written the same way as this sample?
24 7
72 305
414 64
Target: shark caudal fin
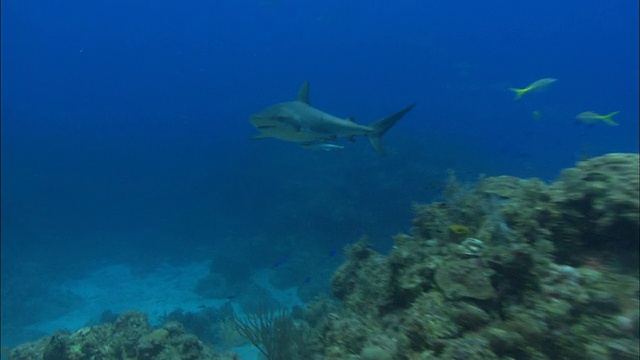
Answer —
381 126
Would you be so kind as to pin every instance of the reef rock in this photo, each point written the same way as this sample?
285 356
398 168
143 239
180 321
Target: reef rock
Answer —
466 278
362 283
129 338
604 189
546 271
597 205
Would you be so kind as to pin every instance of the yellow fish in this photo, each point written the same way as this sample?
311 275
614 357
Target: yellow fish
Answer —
590 117
534 86
536 115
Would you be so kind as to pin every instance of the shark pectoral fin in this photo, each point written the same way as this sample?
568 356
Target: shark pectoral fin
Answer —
303 93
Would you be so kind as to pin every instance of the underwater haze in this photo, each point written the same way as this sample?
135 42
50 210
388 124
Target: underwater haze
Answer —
126 141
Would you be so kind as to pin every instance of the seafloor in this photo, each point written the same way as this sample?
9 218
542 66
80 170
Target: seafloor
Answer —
507 268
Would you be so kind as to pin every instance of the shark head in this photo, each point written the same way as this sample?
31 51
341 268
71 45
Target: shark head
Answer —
286 122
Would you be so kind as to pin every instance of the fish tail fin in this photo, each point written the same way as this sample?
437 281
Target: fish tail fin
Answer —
608 119
519 92
380 127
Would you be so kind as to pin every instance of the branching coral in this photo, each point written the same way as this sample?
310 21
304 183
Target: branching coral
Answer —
272 332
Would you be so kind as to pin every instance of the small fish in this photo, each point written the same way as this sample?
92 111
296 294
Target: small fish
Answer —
533 87
536 115
322 146
231 297
590 117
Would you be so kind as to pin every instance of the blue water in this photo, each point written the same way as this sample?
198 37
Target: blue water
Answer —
125 135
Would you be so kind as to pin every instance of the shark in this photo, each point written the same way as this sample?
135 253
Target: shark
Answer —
299 122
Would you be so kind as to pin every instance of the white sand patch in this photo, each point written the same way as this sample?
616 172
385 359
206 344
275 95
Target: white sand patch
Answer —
115 288
287 298
156 293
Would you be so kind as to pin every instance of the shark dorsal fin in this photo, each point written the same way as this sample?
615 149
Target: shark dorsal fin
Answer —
352 119
303 93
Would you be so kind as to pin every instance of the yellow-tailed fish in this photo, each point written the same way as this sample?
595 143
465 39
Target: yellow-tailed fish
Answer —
590 117
535 86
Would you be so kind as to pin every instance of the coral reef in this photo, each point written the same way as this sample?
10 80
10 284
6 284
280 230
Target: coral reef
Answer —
274 333
466 278
209 324
363 282
537 271
597 205
130 337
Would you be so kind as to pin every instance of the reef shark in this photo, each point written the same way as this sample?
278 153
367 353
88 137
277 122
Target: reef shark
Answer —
298 121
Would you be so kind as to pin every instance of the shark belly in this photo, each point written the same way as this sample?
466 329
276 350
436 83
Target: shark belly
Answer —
299 122
321 123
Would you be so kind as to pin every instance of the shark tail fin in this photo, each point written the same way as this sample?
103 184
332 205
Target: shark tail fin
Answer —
380 127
